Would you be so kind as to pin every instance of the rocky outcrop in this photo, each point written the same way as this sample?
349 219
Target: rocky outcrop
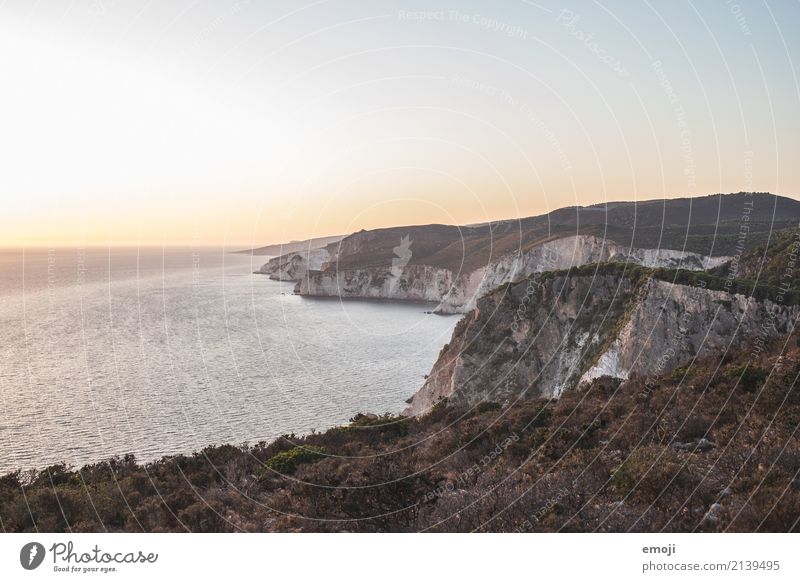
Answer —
558 331
457 291
294 266
415 283
671 323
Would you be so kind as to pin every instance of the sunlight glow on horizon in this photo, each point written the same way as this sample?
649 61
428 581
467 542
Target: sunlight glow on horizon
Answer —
255 124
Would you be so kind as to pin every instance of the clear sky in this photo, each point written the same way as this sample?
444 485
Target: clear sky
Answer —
246 123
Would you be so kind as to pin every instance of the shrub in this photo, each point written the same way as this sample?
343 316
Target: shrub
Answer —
750 378
382 426
649 471
286 462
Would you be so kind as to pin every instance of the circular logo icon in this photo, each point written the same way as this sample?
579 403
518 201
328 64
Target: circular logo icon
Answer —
31 555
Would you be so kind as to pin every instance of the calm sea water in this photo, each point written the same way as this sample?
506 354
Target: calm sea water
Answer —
157 352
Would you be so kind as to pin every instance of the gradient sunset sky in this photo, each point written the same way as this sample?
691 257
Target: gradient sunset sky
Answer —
247 123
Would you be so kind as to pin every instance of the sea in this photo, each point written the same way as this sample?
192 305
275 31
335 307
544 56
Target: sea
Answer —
164 351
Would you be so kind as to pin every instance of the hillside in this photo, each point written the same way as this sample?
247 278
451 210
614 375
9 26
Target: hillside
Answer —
775 264
453 266
707 225
708 448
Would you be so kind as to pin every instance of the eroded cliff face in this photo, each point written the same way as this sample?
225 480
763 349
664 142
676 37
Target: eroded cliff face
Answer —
671 323
556 331
294 266
457 292
413 283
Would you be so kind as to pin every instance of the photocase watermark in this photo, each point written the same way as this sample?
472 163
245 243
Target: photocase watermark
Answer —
748 169
549 263
215 24
741 244
736 10
487 22
524 527
402 255
476 468
731 277
31 555
51 282
552 501
788 274
675 346
505 97
522 309
690 167
550 504
101 7
196 258
65 558
80 269
569 20
768 326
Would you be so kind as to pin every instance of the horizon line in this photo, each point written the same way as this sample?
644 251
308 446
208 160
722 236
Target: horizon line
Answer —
248 246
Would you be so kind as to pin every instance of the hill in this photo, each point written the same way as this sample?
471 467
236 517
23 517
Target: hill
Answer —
707 225
295 246
453 266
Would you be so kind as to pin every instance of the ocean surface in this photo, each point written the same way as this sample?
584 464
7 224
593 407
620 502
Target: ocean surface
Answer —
163 351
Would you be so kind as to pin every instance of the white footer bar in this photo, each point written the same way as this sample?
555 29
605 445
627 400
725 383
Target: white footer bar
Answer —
424 557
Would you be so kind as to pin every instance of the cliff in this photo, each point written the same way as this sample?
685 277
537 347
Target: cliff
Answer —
294 266
560 330
454 265
456 291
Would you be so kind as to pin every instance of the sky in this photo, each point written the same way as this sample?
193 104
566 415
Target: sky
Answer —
248 123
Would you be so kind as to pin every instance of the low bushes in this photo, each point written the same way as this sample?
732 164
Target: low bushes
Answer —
286 462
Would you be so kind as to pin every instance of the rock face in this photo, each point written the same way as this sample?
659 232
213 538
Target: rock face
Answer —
294 266
559 330
454 265
670 323
456 291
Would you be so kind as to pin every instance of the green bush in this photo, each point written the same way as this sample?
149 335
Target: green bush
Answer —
288 461
648 471
750 378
